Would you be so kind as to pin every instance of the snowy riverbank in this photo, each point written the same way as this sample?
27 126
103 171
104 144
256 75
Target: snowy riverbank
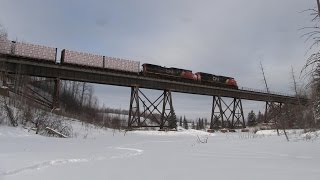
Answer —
97 153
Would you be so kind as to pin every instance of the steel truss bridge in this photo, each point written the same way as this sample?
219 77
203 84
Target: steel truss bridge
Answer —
143 109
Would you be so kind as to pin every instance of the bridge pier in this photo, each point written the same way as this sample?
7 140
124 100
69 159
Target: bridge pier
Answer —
3 78
56 94
217 113
237 114
151 114
229 117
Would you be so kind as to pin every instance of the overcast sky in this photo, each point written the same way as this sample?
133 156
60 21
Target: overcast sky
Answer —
215 36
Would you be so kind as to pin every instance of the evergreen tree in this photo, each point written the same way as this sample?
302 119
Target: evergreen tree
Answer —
185 123
252 119
192 125
260 117
172 121
202 123
180 122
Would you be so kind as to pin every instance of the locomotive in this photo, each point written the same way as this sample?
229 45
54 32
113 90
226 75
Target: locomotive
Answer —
188 76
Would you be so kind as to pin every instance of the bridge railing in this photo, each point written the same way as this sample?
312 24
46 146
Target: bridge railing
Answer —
266 92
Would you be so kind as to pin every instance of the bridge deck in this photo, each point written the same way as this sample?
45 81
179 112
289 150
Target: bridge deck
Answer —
29 66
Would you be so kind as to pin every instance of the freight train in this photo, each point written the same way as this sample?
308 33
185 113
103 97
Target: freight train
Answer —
68 57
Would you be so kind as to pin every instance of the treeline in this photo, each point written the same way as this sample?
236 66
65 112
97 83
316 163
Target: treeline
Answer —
77 100
287 116
21 108
30 99
200 124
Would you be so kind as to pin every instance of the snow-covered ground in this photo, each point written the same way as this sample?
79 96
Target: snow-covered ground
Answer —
106 154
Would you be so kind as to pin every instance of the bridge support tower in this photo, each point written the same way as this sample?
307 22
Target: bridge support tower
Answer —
56 94
144 112
3 79
226 115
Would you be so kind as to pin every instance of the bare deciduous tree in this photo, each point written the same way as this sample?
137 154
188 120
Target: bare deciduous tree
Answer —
277 117
312 67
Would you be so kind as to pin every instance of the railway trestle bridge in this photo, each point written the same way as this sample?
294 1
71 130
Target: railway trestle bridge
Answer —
141 108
